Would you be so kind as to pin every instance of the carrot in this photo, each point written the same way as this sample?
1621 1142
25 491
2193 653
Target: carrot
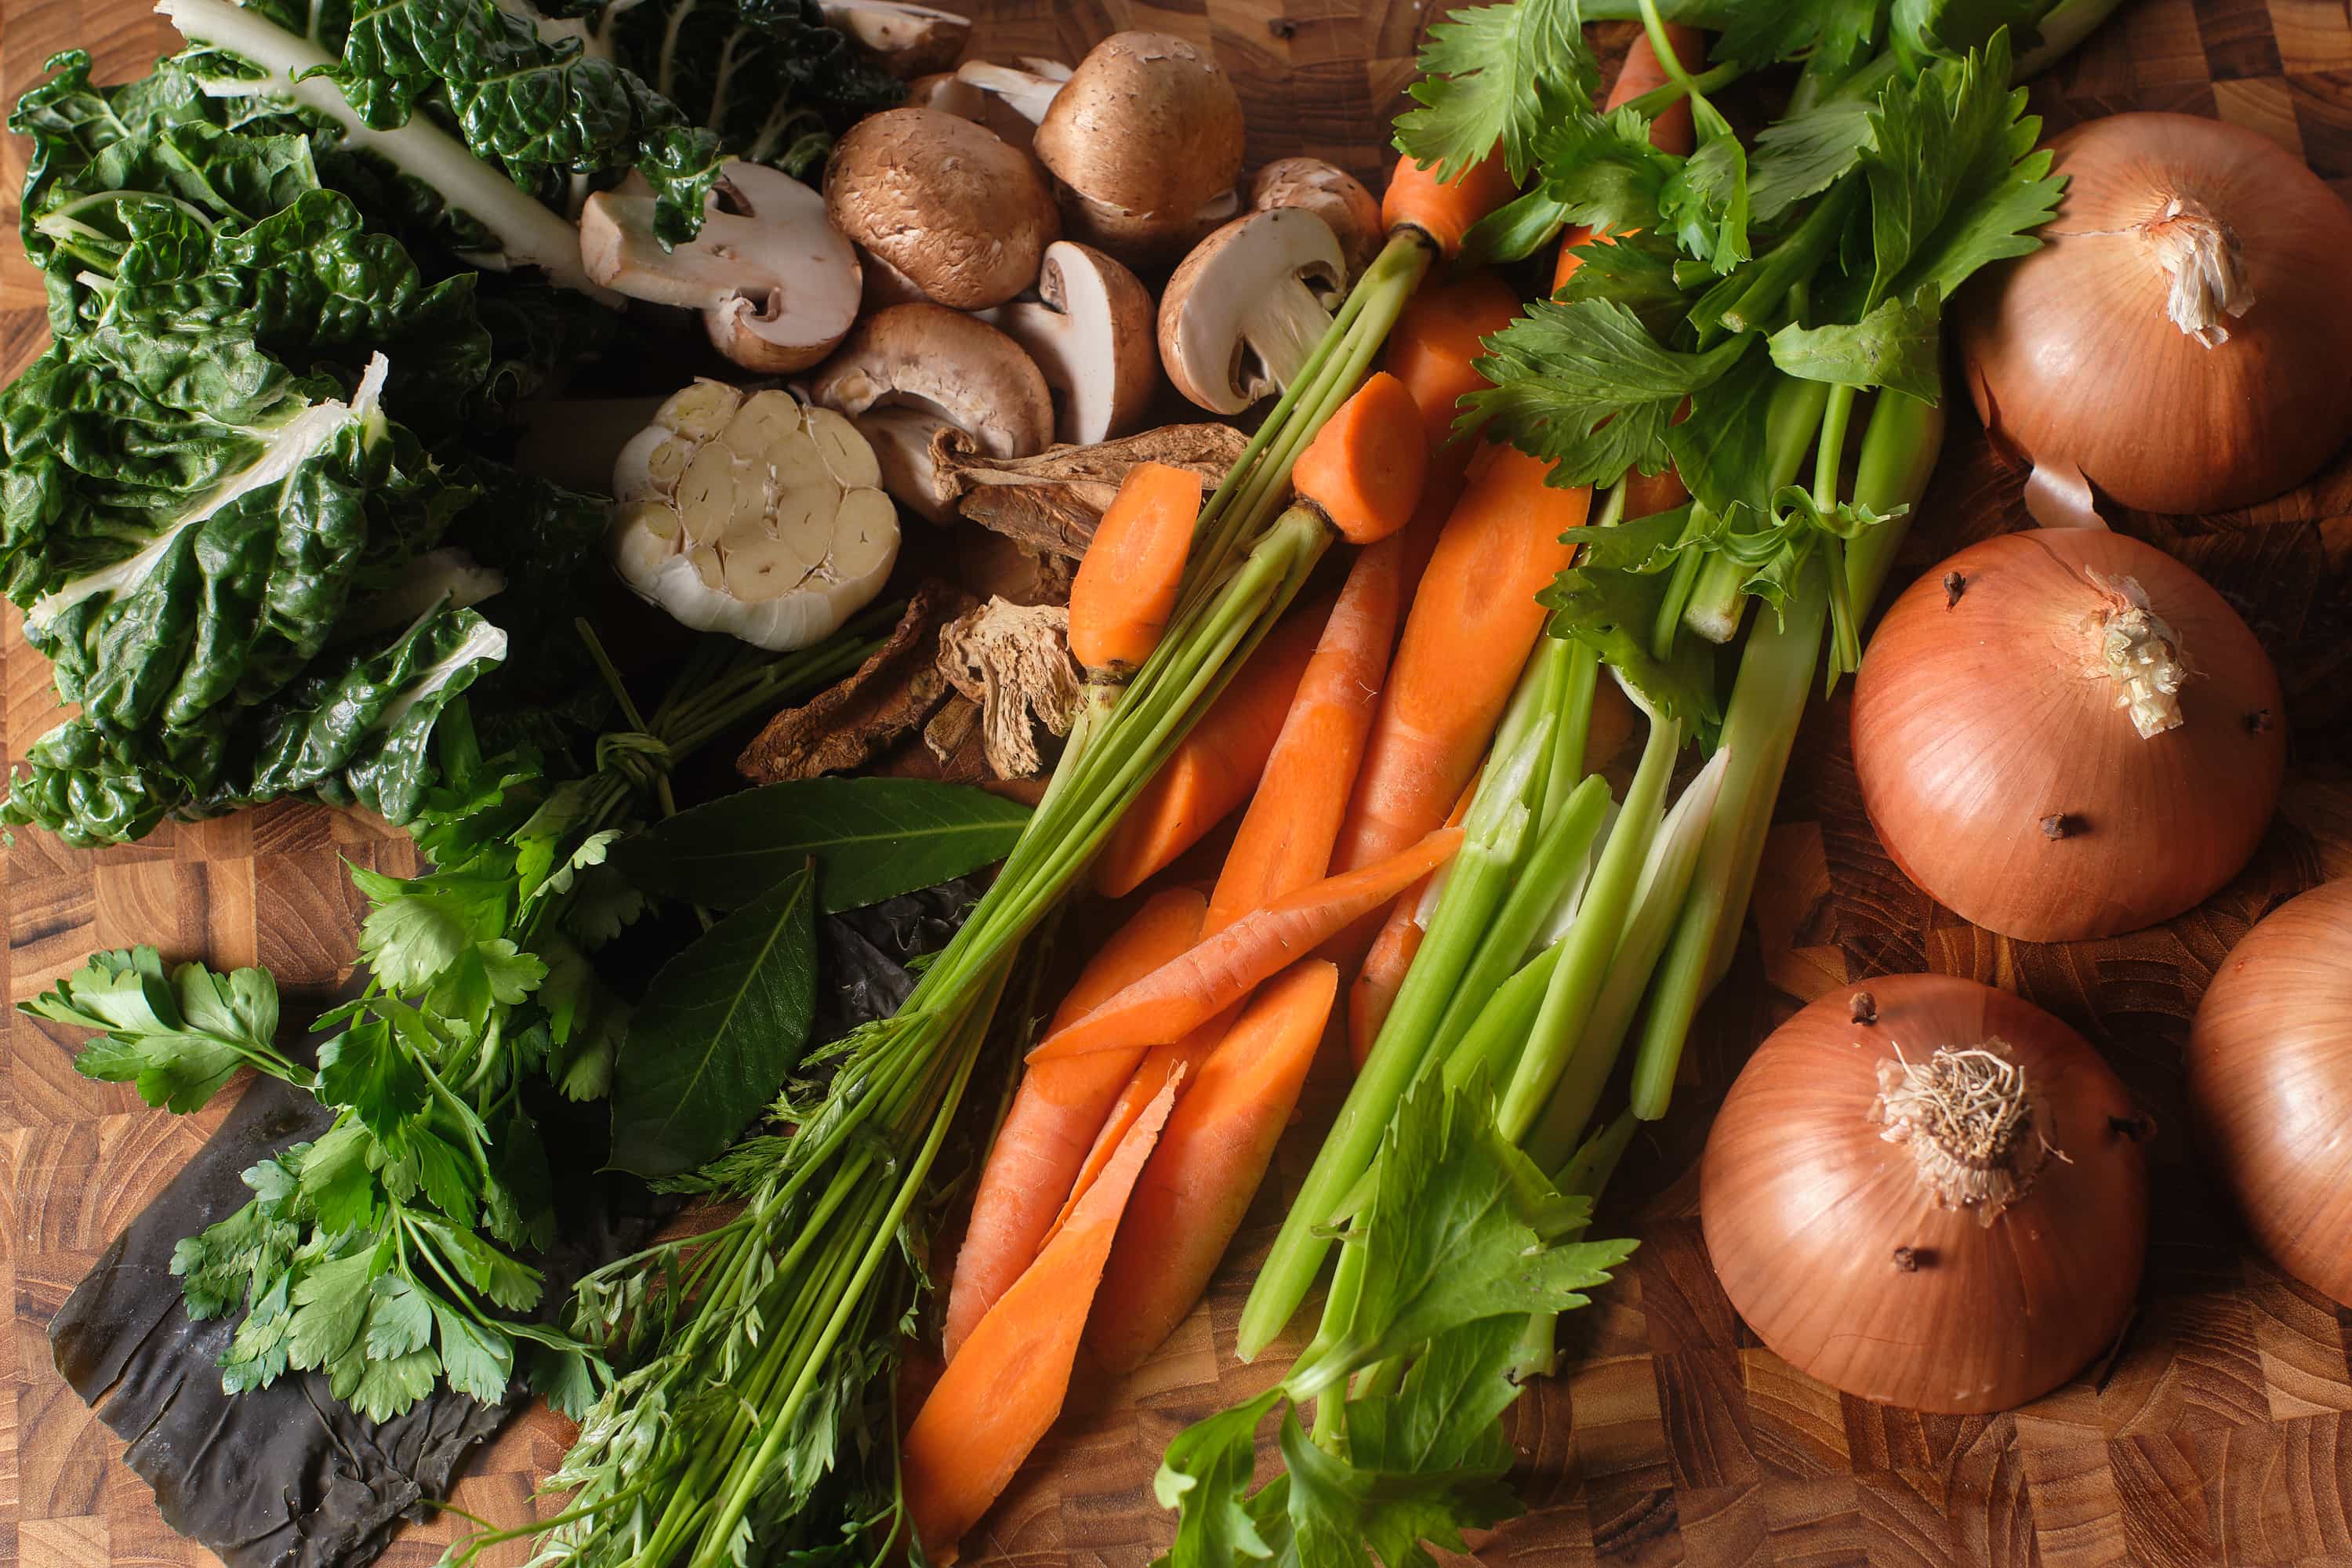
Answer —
1474 620
1215 767
1200 1180
1286 836
1445 210
1175 1063
1648 493
1126 586
1669 132
997 1399
1434 348
1377 984
1056 1114
1193 988
1364 468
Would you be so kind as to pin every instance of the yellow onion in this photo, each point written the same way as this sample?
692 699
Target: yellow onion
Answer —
1929 1194
2270 1070
2067 734
2180 340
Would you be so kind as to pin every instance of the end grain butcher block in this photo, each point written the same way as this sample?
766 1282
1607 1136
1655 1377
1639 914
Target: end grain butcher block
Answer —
2219 1431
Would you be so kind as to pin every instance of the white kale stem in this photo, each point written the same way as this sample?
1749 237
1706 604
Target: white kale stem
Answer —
528 234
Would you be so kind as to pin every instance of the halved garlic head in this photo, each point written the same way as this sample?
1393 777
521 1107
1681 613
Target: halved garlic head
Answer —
753 515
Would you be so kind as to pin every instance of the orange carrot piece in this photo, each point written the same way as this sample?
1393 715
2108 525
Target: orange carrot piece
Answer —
1186 993
1056 1114
1434 348
1162 1066
1211 1158
1474 621
997 1398
1364 468
1126 586
1382 975
1214 768
1648 493
1445 210
1669 132
1286 836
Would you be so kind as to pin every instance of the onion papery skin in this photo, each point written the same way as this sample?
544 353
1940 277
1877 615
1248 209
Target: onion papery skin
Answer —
2074 364
1804 1206
2270 1073
1978 721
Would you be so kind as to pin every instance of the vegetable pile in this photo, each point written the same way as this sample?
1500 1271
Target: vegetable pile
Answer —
263 508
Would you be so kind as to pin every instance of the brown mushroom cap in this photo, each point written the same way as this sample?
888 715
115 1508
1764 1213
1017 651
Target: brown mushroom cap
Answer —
1331 194
911 368
1148 123
948 203
1149 242
1090 331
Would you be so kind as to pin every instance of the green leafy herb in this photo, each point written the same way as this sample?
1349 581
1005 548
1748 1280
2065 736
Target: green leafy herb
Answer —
179 1036
719 1027
1485 71
871 839
1600 170
1805 154
1899 345
1585 386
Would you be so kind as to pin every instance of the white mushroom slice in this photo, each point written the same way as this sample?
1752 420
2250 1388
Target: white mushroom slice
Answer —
963 215
907 39
911 369
1331 194
1239 318
739 515
777 284
1091 335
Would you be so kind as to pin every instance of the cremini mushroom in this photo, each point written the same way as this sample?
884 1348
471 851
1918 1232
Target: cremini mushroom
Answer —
907 41
1090 331
777 284
1331 194
1008 100
752 515
1247 308
908 371
1145 139
962 215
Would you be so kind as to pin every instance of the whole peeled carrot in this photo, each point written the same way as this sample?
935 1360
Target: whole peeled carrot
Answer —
1472 624
996 1399
1193 988
1198 1183
1669 132
1445 210
1055 1117
1364 468
1215 767
1382 975
1434 348
1126 586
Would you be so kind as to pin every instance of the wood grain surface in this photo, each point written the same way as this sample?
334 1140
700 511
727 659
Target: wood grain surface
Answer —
2219 1431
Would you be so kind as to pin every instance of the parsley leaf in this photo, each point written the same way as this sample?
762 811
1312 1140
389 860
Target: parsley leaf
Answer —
1837 32
1610 601
1585 387
1706 202
1899 345
1805 154
1478 88
1599 169
1955 181
179 1037
1635 271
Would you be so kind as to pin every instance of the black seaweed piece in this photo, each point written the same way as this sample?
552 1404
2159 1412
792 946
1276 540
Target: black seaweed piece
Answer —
288 1477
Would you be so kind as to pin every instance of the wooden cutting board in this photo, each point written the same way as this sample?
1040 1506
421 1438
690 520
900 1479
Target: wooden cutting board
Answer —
2218 1433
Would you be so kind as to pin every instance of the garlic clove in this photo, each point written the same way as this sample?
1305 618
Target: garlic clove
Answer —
762 569
706 493
847 455
707 566
763 425
700 411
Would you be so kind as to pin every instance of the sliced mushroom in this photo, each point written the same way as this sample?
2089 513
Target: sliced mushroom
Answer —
907 41
1331 194
1091 335
948 203
948 92
1144 136
1247 307
777 284
911 369
754 516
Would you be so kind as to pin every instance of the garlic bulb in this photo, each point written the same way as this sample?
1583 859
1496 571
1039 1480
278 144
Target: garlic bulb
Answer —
754 515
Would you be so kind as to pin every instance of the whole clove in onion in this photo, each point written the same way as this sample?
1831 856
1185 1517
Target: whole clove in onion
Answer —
2269 1072
2086 741
2181 338
1945 1207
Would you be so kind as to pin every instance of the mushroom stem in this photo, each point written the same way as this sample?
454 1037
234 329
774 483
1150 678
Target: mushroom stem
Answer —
1284 328
1026 93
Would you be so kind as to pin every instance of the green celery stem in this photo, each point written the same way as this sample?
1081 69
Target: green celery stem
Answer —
1494 1041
